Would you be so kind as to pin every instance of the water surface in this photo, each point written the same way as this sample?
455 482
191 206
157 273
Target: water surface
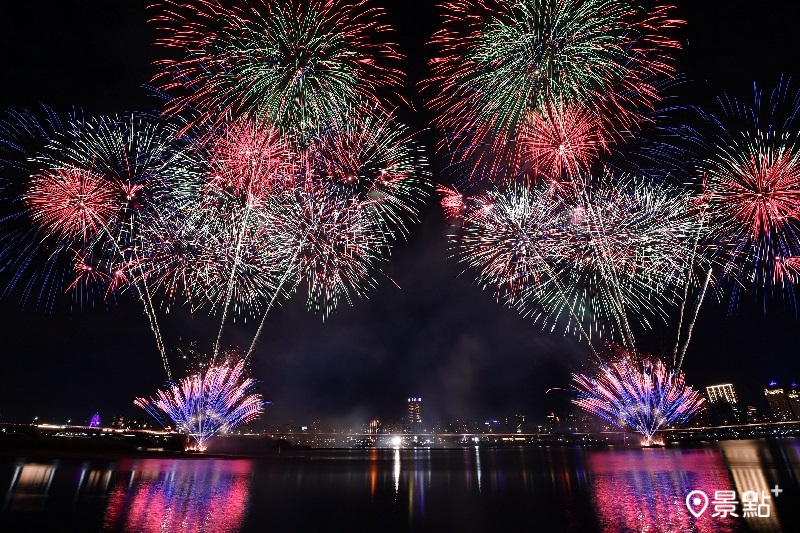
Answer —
611 490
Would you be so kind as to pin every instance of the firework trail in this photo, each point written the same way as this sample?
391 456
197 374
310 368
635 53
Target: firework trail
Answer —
292 63
501 61
217 399
248 164
638 392
272 216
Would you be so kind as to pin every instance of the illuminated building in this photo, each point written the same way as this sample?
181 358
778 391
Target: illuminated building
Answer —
374 427
414 417
701 418
794 401
778 403
723 404
721 393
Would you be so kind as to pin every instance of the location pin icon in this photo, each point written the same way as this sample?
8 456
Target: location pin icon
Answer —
697 502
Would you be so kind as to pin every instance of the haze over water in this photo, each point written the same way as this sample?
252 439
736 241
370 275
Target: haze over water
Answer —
610 490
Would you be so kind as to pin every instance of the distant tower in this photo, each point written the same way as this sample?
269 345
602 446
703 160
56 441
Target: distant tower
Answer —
414 419
520 421
723 404
374 427
778 403
95 423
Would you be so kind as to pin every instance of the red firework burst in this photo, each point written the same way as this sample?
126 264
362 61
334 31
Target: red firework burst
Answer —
761 190
250 161
72 202
452 202
560 142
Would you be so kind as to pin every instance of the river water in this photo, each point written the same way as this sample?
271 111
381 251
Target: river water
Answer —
555 489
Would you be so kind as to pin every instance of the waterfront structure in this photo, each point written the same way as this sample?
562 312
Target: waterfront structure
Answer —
778 403
414 416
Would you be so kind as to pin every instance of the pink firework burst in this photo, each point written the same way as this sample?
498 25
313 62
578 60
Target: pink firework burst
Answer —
71 202
560 141
214 400
251 161
452 202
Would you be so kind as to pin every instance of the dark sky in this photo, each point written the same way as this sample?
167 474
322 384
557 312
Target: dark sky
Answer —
439 337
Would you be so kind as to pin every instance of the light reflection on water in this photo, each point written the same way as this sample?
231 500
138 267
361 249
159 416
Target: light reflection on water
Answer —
645 489
609 490
173 495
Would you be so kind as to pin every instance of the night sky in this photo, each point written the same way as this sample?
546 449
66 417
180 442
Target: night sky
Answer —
439 336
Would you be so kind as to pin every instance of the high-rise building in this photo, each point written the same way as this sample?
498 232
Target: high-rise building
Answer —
778 403
414 420
722 393
723 404
374 427
794 401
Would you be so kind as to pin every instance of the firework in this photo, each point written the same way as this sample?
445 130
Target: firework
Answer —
249 162
370 158
71 203
636 392
751 186
501 61
559 143
272 216
215 400
599 257
93 185
291 63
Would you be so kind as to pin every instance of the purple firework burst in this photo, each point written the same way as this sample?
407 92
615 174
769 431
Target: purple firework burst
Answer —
216 399
637 392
